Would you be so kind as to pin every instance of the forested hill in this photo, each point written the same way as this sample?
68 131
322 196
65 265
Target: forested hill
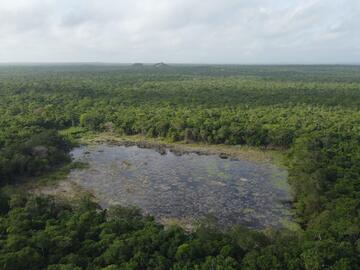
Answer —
310 112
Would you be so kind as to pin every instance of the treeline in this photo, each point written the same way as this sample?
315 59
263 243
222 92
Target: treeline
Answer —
38 233
187 91
32 156
286 73
261 126
316 122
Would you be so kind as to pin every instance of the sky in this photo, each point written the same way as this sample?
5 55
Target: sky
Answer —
181 31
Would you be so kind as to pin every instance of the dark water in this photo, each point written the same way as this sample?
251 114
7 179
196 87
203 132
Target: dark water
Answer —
189 186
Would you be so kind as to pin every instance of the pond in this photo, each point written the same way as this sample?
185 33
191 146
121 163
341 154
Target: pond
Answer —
187 186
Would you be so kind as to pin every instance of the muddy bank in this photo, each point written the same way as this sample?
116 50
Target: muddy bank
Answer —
223 151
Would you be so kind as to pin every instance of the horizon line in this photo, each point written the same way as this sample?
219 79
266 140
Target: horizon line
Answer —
174 63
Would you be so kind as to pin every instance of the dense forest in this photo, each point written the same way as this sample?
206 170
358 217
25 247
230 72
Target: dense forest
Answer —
311 113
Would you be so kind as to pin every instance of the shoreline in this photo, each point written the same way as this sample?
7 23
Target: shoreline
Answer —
235 152
66 189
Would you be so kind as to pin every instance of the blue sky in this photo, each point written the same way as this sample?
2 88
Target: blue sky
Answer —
180 31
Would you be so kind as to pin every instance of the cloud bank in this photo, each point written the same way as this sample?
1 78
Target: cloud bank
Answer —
180 31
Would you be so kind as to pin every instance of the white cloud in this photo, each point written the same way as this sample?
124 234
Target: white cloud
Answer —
227 31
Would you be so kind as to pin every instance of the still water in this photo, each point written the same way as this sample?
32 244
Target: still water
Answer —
186 187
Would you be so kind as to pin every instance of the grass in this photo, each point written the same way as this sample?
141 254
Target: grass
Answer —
236 151
58 174
46 180
82 136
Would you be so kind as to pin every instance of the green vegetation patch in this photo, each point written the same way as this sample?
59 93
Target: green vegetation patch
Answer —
310 112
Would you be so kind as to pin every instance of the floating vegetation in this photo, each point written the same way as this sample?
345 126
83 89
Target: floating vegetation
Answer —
173 186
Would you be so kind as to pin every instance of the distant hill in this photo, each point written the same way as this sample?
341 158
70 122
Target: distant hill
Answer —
161 65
